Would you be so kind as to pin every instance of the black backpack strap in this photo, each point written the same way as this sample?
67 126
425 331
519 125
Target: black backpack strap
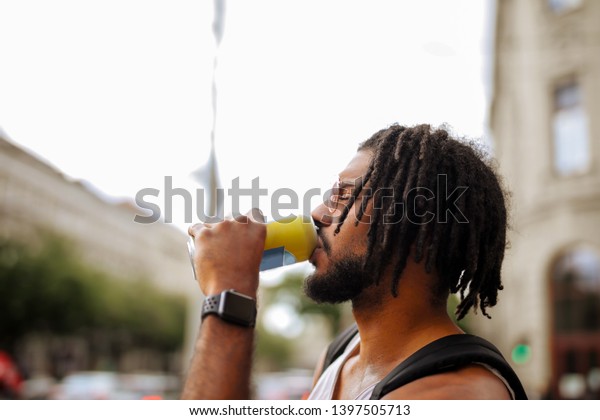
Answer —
449 353
338 345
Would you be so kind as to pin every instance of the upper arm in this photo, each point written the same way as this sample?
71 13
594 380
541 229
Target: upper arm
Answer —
473 382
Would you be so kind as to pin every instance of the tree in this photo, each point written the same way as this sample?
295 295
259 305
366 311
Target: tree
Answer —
49 290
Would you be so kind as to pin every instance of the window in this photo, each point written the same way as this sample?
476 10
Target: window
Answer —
576 278
570 131
560 6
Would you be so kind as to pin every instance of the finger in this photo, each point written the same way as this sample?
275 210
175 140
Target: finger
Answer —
191 231
240 218
195 229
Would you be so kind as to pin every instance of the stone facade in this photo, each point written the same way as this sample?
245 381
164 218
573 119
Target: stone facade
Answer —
34 196
543 49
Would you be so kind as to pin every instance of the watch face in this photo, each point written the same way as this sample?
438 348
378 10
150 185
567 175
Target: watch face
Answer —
238 308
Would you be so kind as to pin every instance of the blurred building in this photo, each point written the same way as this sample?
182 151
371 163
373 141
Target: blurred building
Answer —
35 198
546 93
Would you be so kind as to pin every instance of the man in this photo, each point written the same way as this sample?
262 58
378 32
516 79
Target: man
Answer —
415 216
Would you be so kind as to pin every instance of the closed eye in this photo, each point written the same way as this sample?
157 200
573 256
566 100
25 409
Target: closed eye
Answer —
345 195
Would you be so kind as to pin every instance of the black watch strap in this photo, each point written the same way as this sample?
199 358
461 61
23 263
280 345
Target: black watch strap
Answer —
231 306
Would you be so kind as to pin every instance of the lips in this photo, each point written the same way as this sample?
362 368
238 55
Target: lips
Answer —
314 256
318 248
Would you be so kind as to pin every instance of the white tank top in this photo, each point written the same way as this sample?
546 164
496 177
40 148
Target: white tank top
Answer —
325 386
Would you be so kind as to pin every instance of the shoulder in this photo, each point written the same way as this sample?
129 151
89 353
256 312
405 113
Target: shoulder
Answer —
468 383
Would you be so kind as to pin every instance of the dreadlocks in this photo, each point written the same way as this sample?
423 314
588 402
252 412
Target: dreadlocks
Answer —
421 170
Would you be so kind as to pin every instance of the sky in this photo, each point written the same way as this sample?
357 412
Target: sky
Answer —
118 93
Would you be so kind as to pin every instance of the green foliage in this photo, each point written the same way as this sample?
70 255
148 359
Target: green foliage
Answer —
51 291
451 305
292 285
274 350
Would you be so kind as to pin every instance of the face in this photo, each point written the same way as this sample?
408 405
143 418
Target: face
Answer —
339 275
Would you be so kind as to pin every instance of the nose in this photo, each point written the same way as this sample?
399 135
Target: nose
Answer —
322 216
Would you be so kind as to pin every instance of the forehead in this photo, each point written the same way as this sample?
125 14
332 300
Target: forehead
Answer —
357 167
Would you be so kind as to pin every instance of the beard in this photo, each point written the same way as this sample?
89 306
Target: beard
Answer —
344 281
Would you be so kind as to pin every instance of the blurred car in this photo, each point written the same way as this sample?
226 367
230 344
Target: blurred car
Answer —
88 386
98 385
38 388
293 384
151 385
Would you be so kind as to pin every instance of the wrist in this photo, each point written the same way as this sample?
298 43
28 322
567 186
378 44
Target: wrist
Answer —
246 287
232 307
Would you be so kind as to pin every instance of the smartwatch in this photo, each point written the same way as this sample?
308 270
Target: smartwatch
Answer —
232 307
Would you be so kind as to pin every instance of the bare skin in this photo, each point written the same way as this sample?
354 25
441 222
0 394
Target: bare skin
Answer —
391 329
394 328
220 368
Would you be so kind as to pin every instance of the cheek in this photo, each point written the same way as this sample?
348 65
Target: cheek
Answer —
351 240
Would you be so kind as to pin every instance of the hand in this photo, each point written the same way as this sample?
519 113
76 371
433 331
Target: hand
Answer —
228 253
